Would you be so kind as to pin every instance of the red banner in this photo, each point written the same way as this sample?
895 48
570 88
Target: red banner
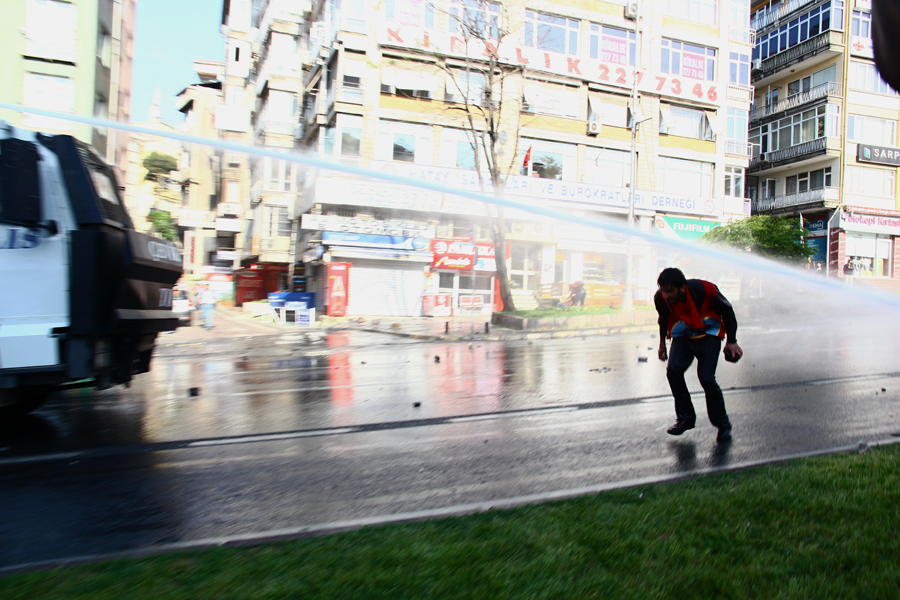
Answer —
452 254
337 284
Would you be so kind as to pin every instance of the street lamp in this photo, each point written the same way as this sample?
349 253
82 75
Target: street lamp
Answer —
633 10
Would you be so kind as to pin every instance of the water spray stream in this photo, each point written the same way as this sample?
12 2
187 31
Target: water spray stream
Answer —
740 259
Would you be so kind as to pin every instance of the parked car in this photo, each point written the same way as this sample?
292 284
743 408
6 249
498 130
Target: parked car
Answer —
183 306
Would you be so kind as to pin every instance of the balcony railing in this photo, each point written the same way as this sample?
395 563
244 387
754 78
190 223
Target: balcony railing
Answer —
772 16
351 94
738 148
742 35
828 194
830 88
791 152
810 47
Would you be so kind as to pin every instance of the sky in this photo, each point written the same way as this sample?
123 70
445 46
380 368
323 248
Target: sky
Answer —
168 38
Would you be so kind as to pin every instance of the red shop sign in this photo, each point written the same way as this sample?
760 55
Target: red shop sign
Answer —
452 254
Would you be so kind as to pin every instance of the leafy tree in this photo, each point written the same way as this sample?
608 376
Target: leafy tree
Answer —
488 95
159 165
162 225
780 238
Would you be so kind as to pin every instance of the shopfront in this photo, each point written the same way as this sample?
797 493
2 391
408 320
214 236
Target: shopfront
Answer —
462 279
866 238
386 273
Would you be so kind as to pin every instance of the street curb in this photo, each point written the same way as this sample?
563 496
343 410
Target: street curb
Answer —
461 510
507 334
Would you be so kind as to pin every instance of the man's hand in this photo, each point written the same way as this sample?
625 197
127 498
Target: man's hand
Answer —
734 350
663 355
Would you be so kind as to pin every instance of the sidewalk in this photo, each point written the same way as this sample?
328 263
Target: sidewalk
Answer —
232 321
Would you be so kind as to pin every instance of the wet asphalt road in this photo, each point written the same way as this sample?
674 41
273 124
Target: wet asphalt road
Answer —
293 429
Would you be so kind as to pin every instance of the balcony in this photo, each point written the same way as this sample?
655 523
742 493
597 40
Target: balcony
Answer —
830 88
791 154
351 94
738 149
826 197
824 45
742 35
773 16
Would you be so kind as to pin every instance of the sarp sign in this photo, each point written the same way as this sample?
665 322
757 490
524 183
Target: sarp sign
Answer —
451 254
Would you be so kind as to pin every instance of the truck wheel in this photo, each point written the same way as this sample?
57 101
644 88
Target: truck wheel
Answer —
15 402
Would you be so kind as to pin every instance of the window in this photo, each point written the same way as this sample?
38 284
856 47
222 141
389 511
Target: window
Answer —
739 68
684 122
548 160
612 45
699 11
50 93
351 139
803 127
609 109
464 86
870 130
804 182
687 177
688 60
457 149
551 33
404 142
807 26
280 107
736 132
414 14
734 181
872 182
50 30
550 99
865 76
277 224
861 25
405 83
475 18
603 166
277 174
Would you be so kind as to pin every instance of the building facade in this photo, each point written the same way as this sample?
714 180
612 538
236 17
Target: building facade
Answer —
70 57
382 91
824 132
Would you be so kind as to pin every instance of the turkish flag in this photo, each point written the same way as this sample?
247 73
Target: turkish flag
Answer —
527 158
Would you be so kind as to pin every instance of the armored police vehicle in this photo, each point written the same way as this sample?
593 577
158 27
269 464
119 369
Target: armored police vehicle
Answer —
82 294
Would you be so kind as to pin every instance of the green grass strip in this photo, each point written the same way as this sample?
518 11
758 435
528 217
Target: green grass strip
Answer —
826 527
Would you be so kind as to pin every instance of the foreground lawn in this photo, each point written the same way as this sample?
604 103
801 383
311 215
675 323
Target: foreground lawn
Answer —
816 528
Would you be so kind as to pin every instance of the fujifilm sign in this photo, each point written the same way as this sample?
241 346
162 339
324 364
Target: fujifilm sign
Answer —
878 155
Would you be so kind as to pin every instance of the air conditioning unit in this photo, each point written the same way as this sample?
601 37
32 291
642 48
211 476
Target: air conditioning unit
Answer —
594 127
757 64
631 10
763 158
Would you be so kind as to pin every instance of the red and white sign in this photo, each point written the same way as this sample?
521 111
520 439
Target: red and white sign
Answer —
610 69
470 301
452 254
338 283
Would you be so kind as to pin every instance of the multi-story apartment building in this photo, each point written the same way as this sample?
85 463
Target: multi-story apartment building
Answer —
232 120
824 132
70 57
382 91
206 223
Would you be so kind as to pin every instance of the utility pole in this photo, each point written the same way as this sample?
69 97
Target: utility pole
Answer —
628 295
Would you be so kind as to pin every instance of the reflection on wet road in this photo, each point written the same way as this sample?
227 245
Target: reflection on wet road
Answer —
290 430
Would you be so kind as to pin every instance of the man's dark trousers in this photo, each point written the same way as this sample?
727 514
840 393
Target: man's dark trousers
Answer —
681 355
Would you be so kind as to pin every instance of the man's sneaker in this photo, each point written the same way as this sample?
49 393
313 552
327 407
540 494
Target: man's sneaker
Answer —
724 435
679 427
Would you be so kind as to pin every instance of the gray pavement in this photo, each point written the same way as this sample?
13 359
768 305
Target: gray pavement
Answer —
231 321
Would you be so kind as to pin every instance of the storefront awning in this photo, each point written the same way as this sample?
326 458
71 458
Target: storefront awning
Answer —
343 252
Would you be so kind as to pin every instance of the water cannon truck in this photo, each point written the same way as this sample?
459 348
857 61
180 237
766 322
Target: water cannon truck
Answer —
83 295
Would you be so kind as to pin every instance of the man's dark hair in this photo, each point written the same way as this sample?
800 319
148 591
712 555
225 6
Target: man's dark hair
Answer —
671 276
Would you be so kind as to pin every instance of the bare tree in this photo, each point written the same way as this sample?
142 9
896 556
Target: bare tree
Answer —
487 93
